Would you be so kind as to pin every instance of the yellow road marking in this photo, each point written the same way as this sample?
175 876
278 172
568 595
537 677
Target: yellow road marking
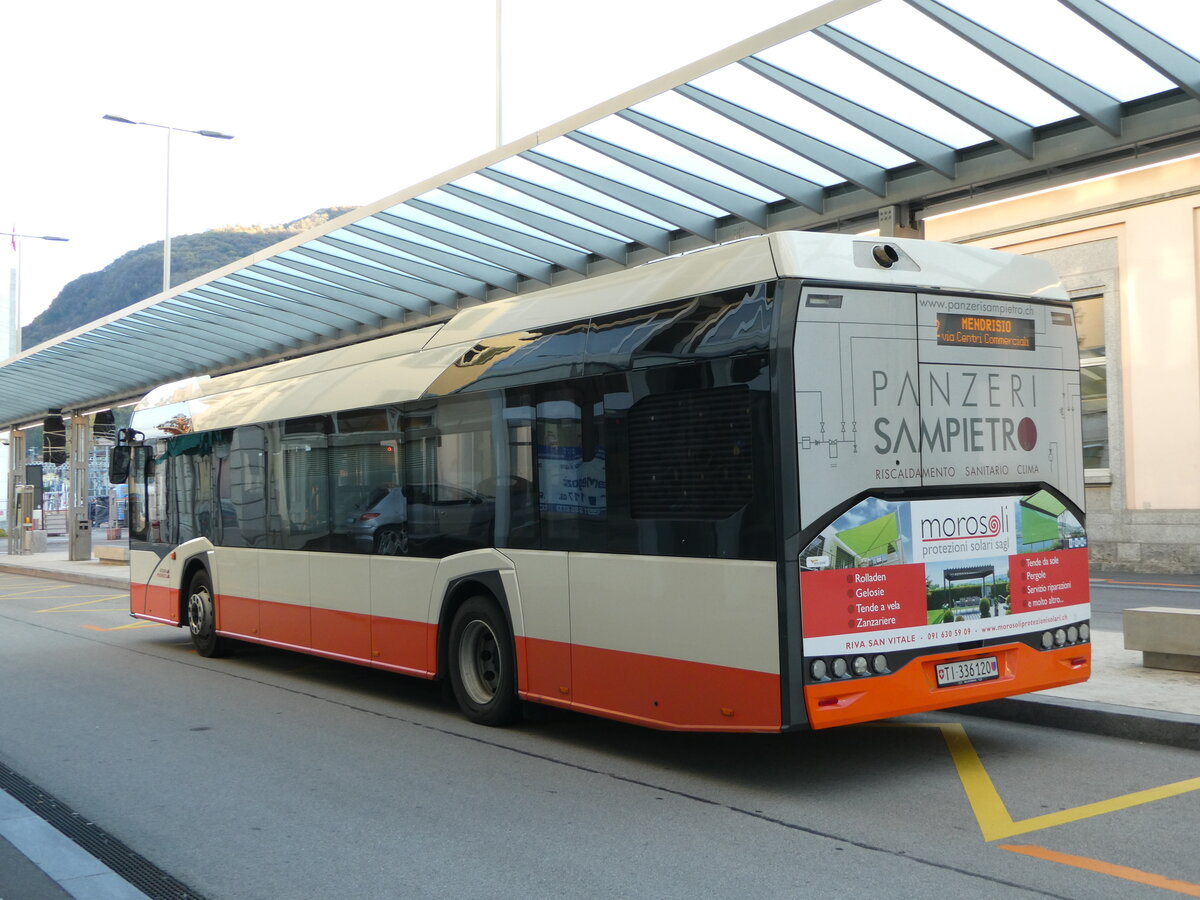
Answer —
1186 888
992 815
124 627
68 606
38 590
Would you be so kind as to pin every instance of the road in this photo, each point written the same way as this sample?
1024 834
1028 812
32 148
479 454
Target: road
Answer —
1113 592
270 774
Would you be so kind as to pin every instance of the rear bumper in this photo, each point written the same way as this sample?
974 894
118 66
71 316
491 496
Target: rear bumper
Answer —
914 688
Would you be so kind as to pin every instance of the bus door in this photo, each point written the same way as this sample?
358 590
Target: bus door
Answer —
142 559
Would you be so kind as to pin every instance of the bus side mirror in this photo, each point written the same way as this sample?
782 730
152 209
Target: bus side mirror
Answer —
118 464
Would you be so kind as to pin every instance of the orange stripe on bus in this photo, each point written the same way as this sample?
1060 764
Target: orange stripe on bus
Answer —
673 693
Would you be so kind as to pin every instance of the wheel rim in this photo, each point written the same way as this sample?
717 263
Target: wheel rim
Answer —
200 612
479 662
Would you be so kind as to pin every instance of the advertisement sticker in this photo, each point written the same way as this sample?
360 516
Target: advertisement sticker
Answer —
914 574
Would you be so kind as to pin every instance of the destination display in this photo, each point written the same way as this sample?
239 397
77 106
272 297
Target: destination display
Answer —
994 332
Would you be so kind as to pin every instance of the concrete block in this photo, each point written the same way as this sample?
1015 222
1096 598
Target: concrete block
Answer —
112 556
1168 638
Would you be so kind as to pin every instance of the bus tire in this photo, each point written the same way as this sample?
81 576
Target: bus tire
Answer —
482 663
202 615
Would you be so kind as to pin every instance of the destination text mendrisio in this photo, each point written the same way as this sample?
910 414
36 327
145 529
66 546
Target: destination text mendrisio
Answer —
959 330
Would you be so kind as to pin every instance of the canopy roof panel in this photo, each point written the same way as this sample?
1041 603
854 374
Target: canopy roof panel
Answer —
817 124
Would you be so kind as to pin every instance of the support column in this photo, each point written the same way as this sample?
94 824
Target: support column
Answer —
16 475
79 525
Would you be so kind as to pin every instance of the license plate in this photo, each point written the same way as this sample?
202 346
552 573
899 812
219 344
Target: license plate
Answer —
966 671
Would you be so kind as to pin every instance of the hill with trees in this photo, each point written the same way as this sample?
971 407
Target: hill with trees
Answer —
138 274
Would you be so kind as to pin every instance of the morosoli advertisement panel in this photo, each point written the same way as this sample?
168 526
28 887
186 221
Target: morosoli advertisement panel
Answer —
903 575
912 391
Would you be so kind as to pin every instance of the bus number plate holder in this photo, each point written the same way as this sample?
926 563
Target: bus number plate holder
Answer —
967 671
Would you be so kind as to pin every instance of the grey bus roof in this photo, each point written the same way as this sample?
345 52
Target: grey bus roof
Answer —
403 366
917 106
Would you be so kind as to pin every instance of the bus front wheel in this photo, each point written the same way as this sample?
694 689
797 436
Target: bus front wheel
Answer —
202 615
482 664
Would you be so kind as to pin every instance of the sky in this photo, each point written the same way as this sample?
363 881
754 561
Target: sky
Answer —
329 104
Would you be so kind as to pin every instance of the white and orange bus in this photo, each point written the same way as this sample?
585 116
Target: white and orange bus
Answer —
793 481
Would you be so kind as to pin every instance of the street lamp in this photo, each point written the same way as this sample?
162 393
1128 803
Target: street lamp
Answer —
14 283
166 283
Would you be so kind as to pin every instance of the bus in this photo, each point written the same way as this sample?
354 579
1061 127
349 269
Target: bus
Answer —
793 481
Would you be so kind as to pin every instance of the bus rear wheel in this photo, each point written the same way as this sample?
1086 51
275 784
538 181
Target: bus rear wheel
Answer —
482 663
202 615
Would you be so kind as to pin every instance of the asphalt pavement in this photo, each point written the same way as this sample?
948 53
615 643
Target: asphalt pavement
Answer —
1122 698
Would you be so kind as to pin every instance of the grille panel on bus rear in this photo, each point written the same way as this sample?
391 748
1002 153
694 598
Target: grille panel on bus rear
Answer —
691 454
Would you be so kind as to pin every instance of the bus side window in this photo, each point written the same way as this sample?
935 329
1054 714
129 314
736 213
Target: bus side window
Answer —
572 473
241 486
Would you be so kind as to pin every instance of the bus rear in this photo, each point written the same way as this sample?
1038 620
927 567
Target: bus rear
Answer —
943 554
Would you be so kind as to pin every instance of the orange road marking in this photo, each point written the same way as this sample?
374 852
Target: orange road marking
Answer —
1144 583
1095 865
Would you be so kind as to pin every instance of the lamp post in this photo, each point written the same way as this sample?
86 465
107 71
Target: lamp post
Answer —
166 283
14 283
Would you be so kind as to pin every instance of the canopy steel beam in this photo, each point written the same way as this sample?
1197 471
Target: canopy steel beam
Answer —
798 190
1162 56
559 254
271 312
849 166
462 285
698 223
1090 102
329 300
1000 126
483 272
369 293
114 344
314 306
383 299
921 147
195 346
173 322
502 258
732 201
241 309
635 229
593 242
333 324
398 280
226 317
337 286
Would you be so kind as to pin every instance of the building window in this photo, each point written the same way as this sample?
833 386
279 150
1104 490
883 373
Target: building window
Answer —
1093 383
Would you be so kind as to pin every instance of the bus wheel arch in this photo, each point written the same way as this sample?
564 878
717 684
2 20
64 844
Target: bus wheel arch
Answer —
196 563
199 611
477 651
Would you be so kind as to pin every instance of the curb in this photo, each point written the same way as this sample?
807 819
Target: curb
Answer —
96 579
1126 722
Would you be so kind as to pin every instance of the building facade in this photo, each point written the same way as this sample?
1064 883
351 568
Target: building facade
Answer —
1127 248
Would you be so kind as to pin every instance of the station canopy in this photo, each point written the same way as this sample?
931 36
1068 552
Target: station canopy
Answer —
852 116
